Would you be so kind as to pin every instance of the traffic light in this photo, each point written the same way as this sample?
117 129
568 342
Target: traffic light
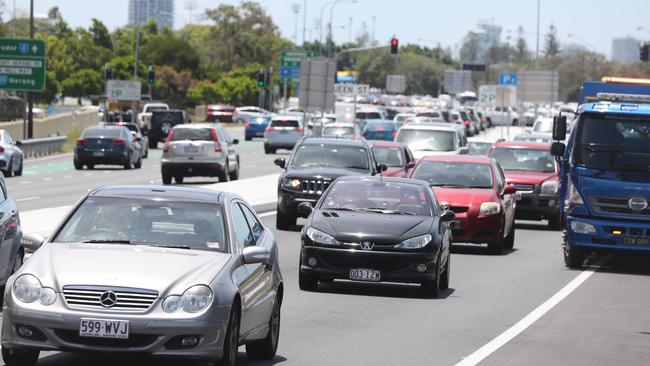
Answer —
151 76
394 46
645 52
261 78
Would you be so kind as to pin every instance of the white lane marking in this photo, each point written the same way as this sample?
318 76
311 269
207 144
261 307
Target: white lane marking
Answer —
249 166
25 182
27 199
67 176
505 337
47 179
266 214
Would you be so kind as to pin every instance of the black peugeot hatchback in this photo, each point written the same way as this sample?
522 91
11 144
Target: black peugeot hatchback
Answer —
375 229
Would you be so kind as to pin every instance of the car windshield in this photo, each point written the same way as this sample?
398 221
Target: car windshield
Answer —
285 123
478 148
378 197
96 133
322 155
157 108
614 143
543 126
192 134
335 131
454 174
428 140
368 115
190 225
391 156
529 160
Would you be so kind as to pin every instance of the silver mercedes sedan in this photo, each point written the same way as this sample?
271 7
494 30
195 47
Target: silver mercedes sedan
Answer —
169 272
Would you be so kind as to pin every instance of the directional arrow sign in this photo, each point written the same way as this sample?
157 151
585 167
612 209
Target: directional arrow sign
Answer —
22 64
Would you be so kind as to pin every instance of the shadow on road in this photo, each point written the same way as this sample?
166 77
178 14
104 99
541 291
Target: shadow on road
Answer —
71 359
476 249
623 264
408 291
531 225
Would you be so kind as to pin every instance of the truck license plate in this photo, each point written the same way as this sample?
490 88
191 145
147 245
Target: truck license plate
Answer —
635 241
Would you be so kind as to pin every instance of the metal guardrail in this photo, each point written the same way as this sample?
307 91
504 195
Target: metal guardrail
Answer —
33 148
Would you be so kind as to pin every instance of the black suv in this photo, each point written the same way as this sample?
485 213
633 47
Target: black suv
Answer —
313 165
162 123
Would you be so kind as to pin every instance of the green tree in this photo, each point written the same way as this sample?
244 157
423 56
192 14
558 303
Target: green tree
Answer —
552 45
100 34
204 92
83 83
469 48
51 89
167 49
522 53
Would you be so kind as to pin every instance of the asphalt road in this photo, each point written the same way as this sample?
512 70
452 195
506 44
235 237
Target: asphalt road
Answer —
521 308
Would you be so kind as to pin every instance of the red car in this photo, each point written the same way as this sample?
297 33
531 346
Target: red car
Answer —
475 188
219 113
397 157
533 170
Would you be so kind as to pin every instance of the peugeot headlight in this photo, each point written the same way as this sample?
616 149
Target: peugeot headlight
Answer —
415 243
489 208
291 182
193 300
551 186
320 237
28 289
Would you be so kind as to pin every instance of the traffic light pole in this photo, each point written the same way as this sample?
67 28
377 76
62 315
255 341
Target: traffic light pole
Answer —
30 96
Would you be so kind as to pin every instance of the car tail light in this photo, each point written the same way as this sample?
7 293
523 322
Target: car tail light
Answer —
247 124
169 138
118 142
300 129
466 122
394 133
217 145
2 149
79 142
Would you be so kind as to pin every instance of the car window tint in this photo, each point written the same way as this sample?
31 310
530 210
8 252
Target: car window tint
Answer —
193 134
256 228
243 234
285 123
102 132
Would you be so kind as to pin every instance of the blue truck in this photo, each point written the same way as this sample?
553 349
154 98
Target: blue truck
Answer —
605 170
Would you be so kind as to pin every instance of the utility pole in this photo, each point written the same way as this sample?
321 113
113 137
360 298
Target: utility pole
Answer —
134 104
350 30
304 22
30 96
537 48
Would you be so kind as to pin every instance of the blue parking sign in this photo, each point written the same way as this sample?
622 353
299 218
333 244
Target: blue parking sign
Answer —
508 78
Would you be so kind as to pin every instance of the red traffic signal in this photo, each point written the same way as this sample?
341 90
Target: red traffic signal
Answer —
394 46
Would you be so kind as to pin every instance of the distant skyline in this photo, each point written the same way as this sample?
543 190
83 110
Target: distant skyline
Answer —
592 24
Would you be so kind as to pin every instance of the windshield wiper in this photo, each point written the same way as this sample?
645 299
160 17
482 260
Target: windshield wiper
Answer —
173 246
448 185
356 167
385 211
107 241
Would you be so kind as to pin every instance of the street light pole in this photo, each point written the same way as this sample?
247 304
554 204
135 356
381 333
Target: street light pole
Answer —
304 22
30 96
320 33
537 48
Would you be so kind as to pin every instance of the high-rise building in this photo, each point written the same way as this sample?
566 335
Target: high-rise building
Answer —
625 50
162 11
485 36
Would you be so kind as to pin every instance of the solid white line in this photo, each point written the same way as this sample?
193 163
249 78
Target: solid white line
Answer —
266 214
498 342
47 179
26 199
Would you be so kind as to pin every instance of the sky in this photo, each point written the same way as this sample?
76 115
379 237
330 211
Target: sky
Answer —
591 24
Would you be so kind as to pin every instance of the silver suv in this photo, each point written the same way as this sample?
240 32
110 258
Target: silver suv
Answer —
283 133
205 150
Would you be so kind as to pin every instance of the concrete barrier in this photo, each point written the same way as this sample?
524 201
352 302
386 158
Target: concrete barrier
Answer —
60 124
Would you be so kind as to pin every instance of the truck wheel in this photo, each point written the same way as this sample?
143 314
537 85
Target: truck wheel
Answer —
153 143
166 179
284 222
555 222
573 257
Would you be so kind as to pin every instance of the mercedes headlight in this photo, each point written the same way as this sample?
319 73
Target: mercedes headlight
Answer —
28 289
415 243
551 186
320 237
291 182
489 208
193 300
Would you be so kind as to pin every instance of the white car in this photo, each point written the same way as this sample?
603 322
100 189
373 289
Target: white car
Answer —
503 116
543 125
144 117
426 139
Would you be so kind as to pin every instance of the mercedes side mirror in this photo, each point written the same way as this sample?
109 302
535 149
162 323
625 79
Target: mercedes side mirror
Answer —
559 128
281 162
510 189
557 149
31 242
255 255
305 209
447 216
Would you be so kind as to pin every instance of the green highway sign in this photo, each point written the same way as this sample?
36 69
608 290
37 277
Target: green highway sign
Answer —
22 64
290 63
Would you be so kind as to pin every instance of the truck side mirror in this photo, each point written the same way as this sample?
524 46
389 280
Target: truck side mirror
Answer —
557 149
559 128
